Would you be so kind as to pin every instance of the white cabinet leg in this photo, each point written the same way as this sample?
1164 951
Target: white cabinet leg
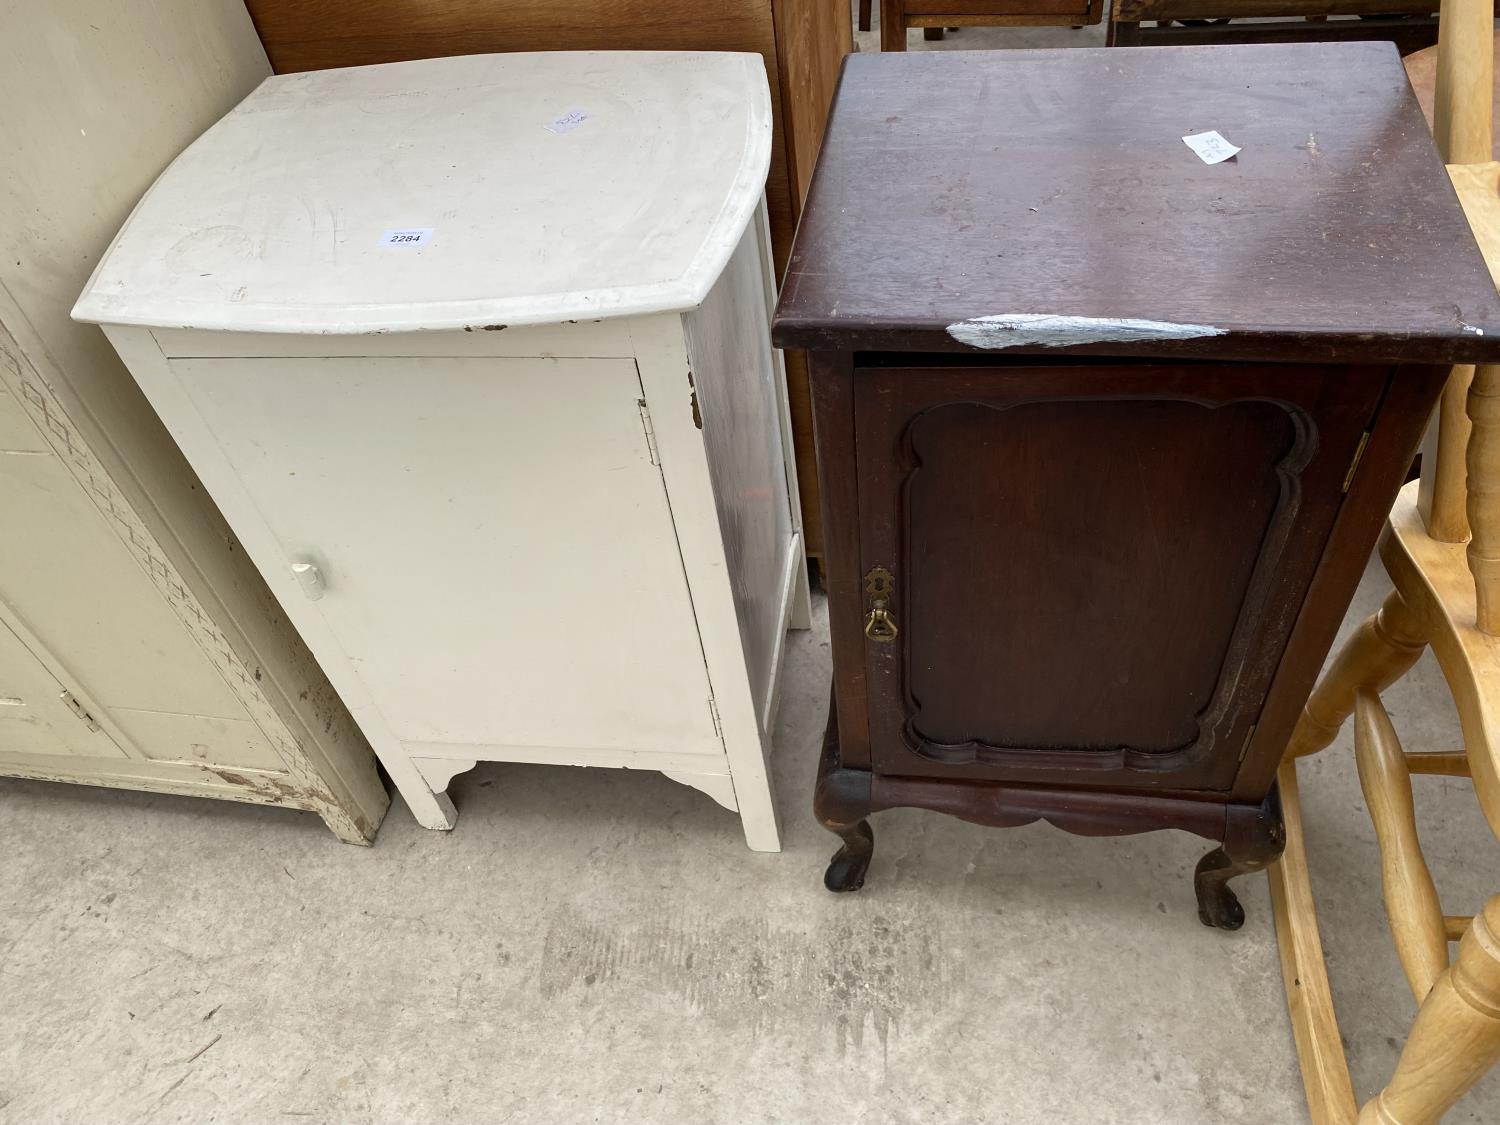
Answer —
758 818
801 615
432 810
446 810
434 774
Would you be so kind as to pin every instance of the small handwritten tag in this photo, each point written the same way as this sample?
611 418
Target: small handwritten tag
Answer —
1211 147
568 121
410 236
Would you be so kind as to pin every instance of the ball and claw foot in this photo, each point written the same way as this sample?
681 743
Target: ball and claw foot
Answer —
846 871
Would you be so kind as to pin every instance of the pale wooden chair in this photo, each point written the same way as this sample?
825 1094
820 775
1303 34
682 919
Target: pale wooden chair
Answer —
1441 548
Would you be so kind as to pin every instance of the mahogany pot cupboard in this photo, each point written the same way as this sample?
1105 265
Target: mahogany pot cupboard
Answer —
1106 431
512 450
801 41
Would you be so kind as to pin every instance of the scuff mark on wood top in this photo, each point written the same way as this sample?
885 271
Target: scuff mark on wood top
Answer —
1009 330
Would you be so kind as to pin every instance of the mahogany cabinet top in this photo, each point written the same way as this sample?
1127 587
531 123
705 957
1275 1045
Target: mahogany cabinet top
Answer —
1044 201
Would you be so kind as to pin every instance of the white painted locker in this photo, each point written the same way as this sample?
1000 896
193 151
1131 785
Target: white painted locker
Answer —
473 353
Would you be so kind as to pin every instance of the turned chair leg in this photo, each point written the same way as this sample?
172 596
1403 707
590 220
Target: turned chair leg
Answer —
1253 839
1380 652
1411 898
1456 1036
1482 460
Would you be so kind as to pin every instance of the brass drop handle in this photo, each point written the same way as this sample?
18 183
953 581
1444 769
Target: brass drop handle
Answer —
880 624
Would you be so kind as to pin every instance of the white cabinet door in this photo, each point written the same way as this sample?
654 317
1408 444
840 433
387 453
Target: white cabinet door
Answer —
35 715
488 541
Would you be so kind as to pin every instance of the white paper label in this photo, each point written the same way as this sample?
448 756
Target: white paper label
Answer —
568 121
407 236
1211 147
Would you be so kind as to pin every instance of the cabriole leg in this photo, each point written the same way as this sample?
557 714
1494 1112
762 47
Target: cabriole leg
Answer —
846 870
841 803
1253 838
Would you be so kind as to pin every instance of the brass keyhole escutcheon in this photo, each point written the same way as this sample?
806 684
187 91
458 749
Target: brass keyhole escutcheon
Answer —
880 625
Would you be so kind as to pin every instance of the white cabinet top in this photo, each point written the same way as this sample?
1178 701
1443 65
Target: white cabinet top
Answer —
451 193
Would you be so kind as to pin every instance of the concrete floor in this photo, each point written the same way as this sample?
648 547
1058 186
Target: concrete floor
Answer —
598 946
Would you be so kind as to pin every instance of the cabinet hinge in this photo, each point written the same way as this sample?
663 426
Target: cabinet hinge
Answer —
650 432
1359 451
713 710
77 709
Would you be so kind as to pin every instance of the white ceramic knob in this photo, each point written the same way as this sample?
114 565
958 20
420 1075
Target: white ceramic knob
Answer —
310 578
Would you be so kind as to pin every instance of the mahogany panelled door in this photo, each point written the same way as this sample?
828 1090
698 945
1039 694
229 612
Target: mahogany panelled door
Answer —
1106 432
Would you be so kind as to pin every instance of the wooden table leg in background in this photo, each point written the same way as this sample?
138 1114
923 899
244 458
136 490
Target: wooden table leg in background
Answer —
892 25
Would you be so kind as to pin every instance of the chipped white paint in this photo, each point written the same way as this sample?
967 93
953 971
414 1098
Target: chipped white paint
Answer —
1014 330
138 648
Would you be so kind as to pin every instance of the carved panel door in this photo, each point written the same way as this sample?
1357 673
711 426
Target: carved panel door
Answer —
1094 570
